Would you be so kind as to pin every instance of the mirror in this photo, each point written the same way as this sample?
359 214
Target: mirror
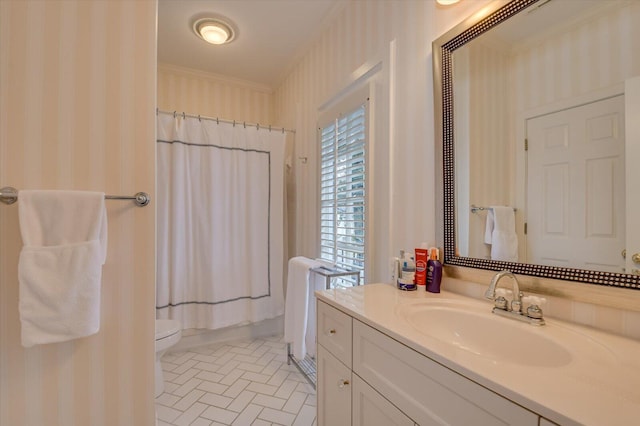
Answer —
530 111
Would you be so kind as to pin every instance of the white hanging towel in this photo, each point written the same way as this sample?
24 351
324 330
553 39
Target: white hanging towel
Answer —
299 324
500 232
64 235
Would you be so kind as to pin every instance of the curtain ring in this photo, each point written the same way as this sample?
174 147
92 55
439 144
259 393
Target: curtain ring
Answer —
184 116
234 123
283 130
257 126
217 120
244 123
199 119
174 114
269 127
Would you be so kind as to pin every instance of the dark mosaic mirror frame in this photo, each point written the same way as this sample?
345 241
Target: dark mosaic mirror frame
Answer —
443 49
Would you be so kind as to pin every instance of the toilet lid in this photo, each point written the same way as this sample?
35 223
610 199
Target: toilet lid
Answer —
165 328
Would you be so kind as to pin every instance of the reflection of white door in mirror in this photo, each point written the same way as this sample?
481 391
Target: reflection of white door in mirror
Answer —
632 108
576 191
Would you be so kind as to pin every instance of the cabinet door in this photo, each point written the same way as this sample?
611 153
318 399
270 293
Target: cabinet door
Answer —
333 391
372 409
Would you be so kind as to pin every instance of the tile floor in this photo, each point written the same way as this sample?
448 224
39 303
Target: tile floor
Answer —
244 383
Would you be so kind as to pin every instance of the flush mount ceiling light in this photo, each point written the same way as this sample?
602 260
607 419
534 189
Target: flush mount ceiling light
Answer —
447 2
214 30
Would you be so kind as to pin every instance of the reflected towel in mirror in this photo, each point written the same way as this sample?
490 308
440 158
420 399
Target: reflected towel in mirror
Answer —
500 232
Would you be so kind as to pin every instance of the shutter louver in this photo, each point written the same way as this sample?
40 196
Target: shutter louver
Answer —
342 192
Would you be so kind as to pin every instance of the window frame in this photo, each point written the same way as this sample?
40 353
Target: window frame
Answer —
341 107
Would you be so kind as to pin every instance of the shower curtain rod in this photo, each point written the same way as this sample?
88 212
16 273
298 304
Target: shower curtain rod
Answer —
221 120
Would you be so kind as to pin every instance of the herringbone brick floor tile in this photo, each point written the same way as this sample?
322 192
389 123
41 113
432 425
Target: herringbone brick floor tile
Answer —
243 383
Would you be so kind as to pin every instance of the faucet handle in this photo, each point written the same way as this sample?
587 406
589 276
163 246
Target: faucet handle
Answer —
501 303
534 311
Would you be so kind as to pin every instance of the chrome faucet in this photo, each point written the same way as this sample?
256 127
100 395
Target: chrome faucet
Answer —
516 303
533 314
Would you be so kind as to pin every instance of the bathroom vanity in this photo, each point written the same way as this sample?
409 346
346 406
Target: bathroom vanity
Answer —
388 357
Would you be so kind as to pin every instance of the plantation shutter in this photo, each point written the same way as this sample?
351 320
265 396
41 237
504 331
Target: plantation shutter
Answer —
342 192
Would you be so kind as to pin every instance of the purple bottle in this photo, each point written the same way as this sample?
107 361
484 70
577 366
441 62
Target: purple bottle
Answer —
434 271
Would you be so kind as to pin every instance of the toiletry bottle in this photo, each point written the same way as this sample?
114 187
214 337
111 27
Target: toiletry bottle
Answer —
407 278
421 267
434 271
408 267
394 264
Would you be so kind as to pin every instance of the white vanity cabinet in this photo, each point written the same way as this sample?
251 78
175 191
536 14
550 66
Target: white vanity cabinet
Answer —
343 398
373 380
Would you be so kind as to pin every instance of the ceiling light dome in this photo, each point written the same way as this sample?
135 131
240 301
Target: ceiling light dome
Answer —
213 30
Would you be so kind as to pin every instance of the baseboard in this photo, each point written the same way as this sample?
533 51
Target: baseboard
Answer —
192 338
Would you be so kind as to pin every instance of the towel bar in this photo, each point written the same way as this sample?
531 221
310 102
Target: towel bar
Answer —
476 209
9 195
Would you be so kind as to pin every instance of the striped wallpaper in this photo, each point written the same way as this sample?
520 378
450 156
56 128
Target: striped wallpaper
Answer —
595 54
197 92
485 142
399 34
77 84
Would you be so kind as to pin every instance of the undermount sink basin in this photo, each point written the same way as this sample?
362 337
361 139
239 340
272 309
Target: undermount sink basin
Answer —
485 334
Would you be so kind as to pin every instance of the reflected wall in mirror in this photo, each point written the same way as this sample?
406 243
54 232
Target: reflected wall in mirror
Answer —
534 101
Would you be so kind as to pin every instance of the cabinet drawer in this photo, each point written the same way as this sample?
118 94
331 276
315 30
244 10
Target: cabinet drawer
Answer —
426 391
334 332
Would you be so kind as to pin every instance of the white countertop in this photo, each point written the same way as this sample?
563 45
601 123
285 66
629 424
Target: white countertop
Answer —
599 386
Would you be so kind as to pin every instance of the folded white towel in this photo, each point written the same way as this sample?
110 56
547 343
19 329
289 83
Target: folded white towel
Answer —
298 323
500 232
60 269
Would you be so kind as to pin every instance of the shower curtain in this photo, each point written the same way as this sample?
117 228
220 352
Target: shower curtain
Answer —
220 232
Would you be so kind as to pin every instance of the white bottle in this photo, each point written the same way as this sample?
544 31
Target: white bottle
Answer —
408 268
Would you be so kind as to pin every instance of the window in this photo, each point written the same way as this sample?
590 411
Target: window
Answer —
342 192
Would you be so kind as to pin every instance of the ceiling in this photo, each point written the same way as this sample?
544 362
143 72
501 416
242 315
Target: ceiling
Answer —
271 35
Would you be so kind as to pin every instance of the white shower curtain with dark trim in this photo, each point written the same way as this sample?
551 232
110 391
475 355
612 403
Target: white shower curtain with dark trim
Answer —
220 232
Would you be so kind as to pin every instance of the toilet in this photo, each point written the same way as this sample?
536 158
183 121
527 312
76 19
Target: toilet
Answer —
168 333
